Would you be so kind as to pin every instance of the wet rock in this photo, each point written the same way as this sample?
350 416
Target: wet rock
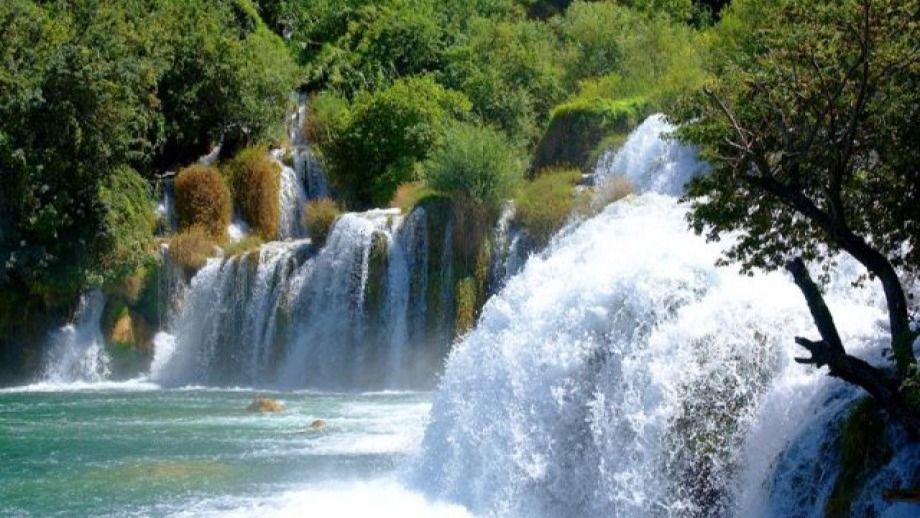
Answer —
264 404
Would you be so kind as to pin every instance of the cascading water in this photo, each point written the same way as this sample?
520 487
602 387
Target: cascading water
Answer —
305 162
622 374
76 352
349 316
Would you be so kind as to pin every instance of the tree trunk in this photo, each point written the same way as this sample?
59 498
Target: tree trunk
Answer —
830 351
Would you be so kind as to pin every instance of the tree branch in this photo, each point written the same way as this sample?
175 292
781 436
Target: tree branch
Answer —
829 351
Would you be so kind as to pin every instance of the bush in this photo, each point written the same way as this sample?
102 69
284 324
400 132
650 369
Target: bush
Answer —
544 204
191 247
255 180
203 199
385 135
477 162
318 217
128 224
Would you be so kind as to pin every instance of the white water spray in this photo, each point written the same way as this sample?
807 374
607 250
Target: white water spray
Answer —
622 374
76 352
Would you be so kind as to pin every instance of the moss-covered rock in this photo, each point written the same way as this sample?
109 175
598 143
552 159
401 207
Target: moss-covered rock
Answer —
375 291
863 449
579 125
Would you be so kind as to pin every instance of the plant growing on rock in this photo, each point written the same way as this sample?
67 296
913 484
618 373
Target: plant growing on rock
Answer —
203 199
318 218
255 181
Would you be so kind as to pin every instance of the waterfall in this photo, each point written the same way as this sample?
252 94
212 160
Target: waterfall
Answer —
76 352
305 162
622 374
354 314
292 197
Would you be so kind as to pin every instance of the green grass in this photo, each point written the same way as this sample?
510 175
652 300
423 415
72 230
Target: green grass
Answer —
543 204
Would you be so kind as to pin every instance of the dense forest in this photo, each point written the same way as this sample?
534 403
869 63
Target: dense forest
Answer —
806 110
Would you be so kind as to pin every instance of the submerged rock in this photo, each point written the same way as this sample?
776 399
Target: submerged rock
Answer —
318 425
264 404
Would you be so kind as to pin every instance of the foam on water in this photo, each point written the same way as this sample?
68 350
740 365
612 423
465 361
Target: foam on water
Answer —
382 497
622 374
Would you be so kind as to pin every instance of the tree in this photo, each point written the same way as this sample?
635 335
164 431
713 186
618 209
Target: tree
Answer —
379 142
813 132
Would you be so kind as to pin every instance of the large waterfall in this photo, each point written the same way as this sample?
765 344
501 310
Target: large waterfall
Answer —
622 374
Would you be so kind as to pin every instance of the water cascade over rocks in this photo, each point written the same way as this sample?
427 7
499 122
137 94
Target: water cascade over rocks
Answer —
76 352
355 314
622 374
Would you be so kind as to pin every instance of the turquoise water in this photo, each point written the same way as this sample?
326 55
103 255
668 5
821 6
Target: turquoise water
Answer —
196 452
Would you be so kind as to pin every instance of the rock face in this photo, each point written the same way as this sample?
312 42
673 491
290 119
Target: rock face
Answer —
264 404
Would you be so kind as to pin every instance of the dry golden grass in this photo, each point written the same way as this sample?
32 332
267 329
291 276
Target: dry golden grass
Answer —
203 199
191 247
256 180
318 217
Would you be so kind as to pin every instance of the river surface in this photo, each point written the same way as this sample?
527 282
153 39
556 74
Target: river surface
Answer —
136 450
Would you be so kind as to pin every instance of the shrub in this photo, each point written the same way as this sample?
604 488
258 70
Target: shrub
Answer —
255 181
318 217
543 205
477 162
378 145
128 224
202 199
191 247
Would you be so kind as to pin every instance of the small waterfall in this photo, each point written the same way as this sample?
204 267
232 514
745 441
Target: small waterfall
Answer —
622 374
649 162
293 197
76 352
512 247
305 162
167 221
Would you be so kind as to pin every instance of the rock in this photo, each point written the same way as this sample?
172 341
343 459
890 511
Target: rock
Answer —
264 404
318 425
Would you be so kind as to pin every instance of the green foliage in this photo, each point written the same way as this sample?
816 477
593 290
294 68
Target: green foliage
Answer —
410 194
579 125
255 181
475 161
385 135
128 224
90 91
544 204
614 52
510 73
226 77
847 142
203 200
318 218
